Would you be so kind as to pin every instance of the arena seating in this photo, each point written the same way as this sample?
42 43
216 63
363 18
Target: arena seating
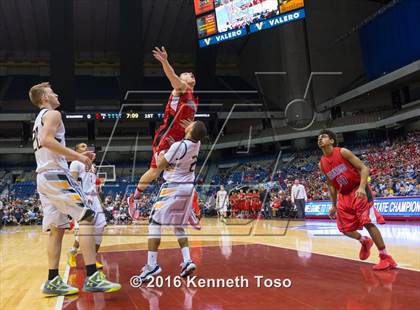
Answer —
394 167
23 190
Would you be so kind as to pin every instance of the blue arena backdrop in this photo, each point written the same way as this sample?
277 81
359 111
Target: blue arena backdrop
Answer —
223 20
407 208
400 46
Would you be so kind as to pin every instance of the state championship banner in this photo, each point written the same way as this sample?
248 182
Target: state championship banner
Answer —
391 208
277 21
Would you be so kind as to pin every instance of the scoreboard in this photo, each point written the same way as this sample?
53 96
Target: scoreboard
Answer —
203 6
223 20
114 115
206 25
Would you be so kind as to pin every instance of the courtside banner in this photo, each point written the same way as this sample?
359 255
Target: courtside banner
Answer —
226 36
277 21
317 208
400 207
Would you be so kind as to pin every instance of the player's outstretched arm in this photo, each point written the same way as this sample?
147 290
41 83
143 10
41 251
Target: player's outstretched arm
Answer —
361 167
162 56
52 121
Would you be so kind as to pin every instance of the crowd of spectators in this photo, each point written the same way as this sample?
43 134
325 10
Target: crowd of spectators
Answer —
395 167
116 208
20 212
29 211
394 170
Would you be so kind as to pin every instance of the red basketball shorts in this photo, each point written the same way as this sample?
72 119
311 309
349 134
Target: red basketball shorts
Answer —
354 212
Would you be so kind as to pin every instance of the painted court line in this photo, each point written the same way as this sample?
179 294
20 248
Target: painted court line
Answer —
400 266
60 299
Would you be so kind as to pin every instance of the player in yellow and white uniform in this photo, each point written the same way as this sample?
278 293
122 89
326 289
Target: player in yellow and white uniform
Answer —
61 196
87 180
174 204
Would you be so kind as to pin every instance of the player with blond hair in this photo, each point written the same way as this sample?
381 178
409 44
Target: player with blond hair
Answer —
61 196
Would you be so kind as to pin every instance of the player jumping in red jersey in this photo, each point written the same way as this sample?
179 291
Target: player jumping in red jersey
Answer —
179 113
352 200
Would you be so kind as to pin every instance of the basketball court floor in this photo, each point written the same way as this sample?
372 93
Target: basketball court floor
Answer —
315 267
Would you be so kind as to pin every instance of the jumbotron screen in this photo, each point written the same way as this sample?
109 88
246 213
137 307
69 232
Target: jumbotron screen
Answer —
224 20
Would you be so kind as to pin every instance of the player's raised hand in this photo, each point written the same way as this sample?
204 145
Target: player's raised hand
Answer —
90 154
85 160
170 140
186 122
160 54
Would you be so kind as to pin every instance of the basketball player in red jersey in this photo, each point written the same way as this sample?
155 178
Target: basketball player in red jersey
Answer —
179 113
352 200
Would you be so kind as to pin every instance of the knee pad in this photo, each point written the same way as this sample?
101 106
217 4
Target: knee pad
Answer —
180 233
154 231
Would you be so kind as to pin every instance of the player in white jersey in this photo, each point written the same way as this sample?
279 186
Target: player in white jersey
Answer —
60 195
87 180
222 201
174 204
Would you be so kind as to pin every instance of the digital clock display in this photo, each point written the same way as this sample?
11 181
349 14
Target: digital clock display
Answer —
132 115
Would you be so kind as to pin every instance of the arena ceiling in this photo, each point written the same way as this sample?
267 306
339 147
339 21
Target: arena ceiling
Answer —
24 28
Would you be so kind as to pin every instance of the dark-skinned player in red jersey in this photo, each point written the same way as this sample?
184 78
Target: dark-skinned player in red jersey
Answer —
352 199
179 113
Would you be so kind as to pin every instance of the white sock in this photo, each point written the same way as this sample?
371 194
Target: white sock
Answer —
186 254
152 258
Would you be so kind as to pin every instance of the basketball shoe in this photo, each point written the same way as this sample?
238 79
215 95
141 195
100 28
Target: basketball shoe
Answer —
56 287
386 262
365 249
187 269
133 207
149 271
99 283
194 221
